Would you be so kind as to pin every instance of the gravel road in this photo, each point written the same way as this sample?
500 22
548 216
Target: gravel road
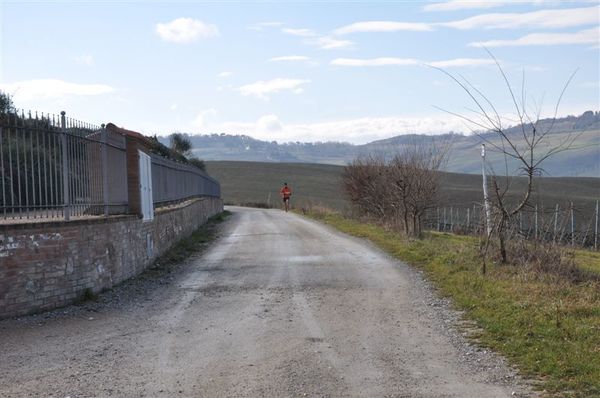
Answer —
278 306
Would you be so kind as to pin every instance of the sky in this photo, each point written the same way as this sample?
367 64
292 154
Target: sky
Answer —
299 70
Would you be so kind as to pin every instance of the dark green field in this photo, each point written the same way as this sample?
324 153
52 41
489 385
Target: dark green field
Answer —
255 182
319 184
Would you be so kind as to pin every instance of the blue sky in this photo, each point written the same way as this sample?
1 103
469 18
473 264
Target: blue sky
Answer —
295 71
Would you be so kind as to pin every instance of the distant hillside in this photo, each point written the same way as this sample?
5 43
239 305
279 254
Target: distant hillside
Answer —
583 160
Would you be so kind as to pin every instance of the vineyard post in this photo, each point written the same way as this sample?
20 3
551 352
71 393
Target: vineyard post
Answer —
535 233
572 226
486 200
596 229
555 222
468 220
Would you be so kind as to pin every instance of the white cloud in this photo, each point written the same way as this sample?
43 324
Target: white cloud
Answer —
85 59
269 124
358 131
28 90
323 42
390 61
186 30
330 43
455 5
204 118
290 58
588 36
458 62
299 32
225 74
174 107
382 26
546 19
559 18
261 89
384 61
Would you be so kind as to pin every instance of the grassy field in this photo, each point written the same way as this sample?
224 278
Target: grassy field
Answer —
254 182
318 184
548 327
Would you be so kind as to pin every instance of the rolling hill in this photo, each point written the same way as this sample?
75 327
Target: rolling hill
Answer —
583 160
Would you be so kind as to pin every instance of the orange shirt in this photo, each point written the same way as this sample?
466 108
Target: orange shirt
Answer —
286 192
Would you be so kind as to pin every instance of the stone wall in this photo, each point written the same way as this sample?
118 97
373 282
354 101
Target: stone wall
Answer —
48 265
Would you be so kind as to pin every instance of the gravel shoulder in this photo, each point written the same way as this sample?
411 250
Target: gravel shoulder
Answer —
278 306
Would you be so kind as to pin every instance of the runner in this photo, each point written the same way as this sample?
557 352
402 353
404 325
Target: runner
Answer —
286 192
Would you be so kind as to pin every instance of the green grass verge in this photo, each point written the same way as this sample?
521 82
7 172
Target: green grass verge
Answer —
588 260
192 244
548 328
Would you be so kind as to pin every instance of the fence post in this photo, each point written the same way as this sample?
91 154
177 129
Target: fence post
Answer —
572 226
451 220
444 219
65 167
555 223
105 169
535 233
596 229
486 200
520 214
468 220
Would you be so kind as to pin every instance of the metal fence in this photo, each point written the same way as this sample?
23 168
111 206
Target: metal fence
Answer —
174 181
567 225
55 167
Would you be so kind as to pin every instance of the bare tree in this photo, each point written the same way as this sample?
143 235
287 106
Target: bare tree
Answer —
397 192
364 182
527 149
415 180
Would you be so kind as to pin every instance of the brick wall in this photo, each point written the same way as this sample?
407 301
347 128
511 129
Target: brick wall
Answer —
48 265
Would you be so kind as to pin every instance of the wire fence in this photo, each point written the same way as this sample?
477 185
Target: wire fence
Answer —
56 167
570 225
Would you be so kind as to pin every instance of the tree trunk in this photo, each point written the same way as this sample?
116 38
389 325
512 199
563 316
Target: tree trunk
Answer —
502 239
414 222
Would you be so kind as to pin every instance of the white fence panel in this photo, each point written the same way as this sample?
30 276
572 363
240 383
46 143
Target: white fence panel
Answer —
146 186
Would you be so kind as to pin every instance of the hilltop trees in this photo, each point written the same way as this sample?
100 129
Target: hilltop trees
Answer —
6 103
181 144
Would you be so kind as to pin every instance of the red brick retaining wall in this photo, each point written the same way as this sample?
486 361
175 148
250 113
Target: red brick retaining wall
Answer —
49 265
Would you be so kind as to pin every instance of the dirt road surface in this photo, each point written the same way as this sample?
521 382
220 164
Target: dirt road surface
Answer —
278 306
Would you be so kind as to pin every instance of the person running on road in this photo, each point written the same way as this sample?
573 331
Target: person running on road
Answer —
286 192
